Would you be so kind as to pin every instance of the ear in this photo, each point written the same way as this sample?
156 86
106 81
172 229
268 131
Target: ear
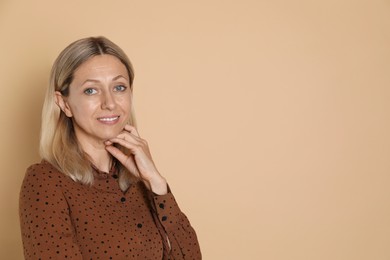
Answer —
62 104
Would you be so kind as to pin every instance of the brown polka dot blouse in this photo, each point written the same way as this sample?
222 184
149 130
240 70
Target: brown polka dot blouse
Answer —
63 219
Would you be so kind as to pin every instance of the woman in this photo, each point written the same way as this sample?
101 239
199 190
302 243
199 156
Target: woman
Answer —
97 193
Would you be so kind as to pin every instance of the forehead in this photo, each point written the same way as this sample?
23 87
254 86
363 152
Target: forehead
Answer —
100 66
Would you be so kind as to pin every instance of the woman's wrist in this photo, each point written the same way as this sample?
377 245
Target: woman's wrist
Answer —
158 185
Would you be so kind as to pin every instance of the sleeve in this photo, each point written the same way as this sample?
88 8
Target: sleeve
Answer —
182 241
47 231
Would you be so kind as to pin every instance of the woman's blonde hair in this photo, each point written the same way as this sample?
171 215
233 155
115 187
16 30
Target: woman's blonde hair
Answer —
58 144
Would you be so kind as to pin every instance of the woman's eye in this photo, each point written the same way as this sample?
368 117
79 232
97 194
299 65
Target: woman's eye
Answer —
90 91
120 88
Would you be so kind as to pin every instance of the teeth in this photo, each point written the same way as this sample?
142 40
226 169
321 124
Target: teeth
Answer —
108 119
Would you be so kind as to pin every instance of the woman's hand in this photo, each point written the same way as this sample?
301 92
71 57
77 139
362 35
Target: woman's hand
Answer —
140 161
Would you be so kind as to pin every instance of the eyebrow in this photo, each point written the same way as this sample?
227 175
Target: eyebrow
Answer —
97 81
118 77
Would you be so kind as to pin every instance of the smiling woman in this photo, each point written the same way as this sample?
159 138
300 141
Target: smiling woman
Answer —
97 192
99 103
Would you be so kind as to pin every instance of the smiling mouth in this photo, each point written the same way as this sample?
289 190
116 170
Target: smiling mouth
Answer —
108 119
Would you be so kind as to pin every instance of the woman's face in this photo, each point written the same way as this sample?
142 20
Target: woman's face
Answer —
99 99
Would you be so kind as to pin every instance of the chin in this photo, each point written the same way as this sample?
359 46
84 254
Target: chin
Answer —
105 135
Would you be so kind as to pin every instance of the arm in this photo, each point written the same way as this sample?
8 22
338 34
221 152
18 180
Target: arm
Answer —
46 227
182 238
182 241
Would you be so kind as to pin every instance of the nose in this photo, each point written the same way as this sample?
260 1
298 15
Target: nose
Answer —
108 101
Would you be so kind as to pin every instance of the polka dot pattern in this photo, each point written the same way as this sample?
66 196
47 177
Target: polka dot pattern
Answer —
63 219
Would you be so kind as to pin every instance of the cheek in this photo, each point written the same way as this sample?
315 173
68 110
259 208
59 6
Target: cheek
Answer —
125 104
83 109
126 110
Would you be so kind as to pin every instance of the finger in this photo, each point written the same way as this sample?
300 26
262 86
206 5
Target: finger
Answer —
127 161
118 154
128 136
108 142
130 144
125 141
132 130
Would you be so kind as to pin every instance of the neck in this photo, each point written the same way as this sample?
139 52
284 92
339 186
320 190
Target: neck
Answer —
98 154
101 160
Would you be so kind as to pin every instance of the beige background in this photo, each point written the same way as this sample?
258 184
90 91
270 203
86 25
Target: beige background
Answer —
269 118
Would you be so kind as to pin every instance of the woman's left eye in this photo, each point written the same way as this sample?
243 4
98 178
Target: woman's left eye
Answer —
120 88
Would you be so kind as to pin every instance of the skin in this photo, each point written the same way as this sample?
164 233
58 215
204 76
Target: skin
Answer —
99 103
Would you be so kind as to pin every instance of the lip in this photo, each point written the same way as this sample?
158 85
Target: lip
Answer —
109 120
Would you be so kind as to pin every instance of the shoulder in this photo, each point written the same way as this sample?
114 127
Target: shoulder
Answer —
43 173
42 188
43 166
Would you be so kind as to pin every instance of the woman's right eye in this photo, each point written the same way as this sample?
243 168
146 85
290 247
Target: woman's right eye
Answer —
90 91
